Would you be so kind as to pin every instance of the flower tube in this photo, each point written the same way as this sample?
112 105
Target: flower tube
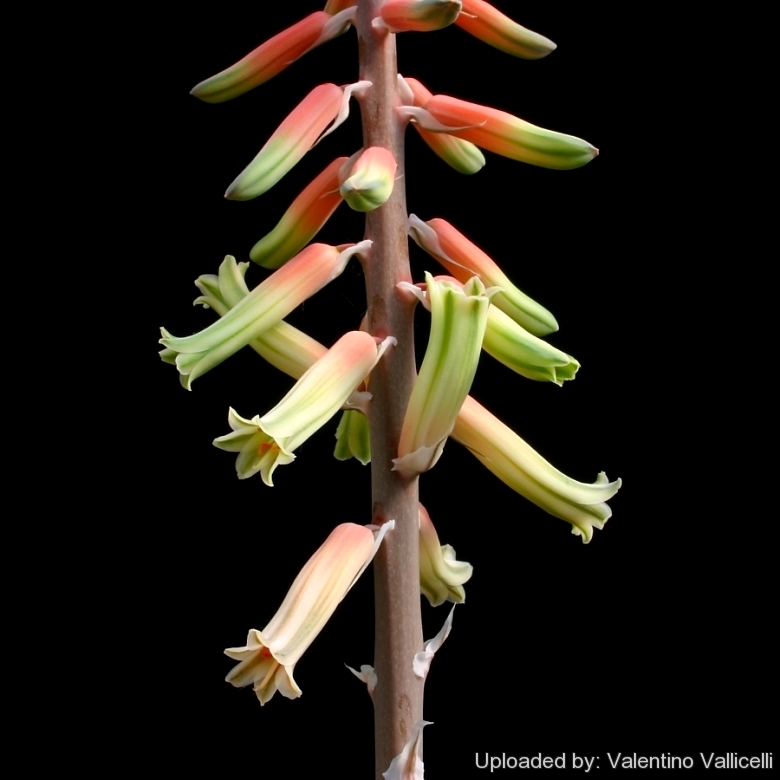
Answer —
461 155
270 58
302 221
417 15
267 304
458 319
283 346
463 259
518 465
268 659
527 355
441 575
487 23
500 132
318 114
263 443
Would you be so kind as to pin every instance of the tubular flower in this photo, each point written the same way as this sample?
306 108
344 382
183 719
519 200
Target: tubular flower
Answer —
458 319
266 305
263 443
487 23
461 155
417 15
464 260
353 439
502 133
268 659
516 464
325 105
302 221
272 57
524 353
367 178
441 575
283 346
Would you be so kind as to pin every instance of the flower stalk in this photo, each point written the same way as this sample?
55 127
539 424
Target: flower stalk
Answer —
398 632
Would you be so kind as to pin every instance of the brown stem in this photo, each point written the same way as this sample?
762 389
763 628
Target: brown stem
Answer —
398 635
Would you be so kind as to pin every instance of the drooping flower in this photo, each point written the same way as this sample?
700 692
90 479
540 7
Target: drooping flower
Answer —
463 259
263 443
441 575
318 114
272 57
500 132
302 221
266 305
458 319
461 155
417 15
526 354
518 465
290 350
268 659
367 178
487 23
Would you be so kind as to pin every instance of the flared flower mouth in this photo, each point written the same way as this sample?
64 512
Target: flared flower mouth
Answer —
268 659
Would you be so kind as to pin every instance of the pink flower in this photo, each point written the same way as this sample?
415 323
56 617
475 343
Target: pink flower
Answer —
488 24
464 259
302 221
318 114
271 57
500 132
268 659
266 305
461 155
417 15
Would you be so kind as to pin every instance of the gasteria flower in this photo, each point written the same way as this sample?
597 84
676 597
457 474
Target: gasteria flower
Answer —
302 221
502 133
283 346
417 15
488 24
266 305
367 178
461 155
263 443
325 105
441 575
268 659
353 438
458 319
463 259
527 355
272 57
516 464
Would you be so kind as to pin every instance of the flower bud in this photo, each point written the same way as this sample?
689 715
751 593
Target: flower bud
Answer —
368 182
418 15
487 23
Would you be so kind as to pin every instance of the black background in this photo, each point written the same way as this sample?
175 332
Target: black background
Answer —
654 630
